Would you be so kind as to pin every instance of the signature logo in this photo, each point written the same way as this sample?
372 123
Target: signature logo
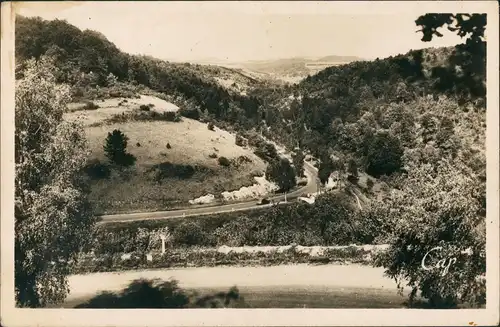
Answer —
444 264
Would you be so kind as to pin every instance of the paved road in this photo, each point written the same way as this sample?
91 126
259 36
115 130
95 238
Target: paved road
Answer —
311 187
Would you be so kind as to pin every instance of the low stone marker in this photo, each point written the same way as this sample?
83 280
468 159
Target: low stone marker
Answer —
126 256
162 243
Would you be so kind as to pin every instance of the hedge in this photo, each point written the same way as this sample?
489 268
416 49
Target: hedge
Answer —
211 257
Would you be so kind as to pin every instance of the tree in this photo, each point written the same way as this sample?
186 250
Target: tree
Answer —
298 162
53 217
438 209
326 167
115 149
469 57
281 172
111 80
470 25
267 151
383 155
352 168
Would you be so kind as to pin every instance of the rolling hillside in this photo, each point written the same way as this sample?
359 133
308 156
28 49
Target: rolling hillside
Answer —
86 60
176 161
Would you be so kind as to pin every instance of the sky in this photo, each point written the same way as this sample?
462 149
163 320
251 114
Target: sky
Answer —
235 32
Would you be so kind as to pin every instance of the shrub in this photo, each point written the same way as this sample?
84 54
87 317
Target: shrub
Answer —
138 144
144 107
369 184
170 170
223 161
177 118
255 140
240 141
97 170
190 113
169 146
213 155
211 126
89 105
190 233
169 115
267 152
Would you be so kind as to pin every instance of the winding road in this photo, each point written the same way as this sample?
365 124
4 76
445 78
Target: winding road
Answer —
311 187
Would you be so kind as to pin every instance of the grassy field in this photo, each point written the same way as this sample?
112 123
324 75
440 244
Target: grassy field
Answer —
187 145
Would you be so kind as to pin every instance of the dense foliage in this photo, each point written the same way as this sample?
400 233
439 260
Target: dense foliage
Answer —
53 217
333 220
281 172
438 241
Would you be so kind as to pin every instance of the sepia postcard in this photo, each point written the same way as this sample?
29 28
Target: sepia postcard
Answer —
281 163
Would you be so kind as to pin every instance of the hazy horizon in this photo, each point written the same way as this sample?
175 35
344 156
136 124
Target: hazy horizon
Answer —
232 33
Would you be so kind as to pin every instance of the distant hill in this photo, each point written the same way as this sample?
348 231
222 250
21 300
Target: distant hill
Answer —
285 69
298 67
86 59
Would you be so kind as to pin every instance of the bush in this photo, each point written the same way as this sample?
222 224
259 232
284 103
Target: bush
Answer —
89 105
169 146
144 107
267 152
369 184
97 170
169 115
170 170
190 233
190 113
223 161
255 140
211 126
213 155
177 118
240 141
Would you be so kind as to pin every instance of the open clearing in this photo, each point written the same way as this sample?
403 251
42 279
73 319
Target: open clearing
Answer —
188 144
277 286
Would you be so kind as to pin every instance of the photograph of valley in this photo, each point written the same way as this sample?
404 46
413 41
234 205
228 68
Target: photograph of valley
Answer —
174 155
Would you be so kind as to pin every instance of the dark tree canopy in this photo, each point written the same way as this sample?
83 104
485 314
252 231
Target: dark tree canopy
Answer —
471 26
115 149
282 173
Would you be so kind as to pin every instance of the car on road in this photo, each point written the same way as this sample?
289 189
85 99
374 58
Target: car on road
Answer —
264 201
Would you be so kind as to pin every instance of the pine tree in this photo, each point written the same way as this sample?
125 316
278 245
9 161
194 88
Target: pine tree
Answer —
115 149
